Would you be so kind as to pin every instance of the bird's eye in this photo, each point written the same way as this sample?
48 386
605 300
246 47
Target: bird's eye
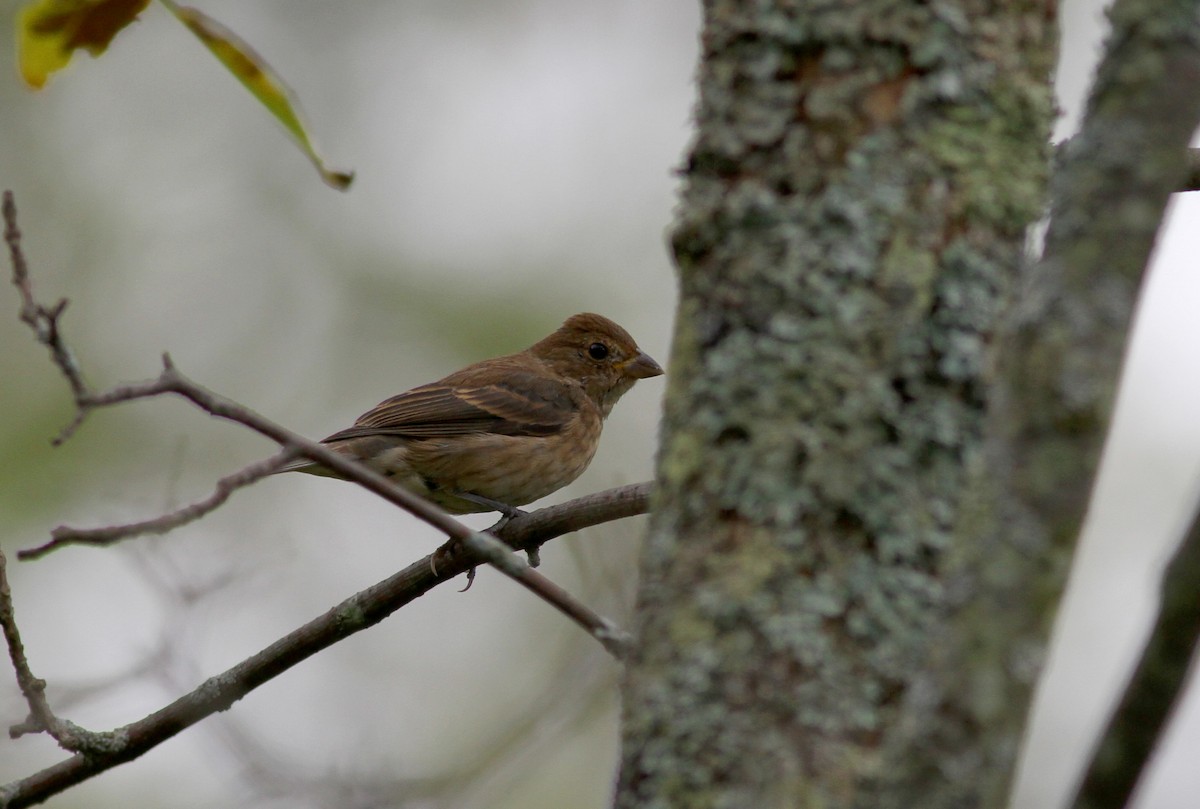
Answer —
597 351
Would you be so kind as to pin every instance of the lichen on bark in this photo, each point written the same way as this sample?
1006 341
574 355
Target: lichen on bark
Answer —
853 213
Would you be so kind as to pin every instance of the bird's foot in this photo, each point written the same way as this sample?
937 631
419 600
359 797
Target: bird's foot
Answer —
505 518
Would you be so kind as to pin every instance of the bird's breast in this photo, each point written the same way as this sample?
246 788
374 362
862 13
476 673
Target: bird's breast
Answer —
514 470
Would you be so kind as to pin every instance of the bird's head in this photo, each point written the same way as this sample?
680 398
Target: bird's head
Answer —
599 354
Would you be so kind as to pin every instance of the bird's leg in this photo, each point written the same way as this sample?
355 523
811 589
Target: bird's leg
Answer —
508 512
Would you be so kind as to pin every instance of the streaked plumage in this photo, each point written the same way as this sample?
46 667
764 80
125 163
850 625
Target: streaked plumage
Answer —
508 430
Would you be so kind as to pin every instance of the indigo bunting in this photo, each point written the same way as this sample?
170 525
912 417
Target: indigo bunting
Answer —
502 432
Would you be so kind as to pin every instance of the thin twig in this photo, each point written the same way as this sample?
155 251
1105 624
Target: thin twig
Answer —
41 718
498 555
172 381
97 752
43 320
359 612
32 687
107 535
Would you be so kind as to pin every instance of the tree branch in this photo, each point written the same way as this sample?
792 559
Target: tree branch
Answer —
1192 183
44 322
1191 176
1060 365
41 718
107 535
172 381
360 611
498 555
96 752
42 319
1154 690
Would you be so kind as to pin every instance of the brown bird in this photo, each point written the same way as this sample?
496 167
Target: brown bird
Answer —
502 432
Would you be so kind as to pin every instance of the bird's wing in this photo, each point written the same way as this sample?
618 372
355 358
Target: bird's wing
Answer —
522 403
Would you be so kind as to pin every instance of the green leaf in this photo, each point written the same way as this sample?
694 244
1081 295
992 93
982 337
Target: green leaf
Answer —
260 79
50 31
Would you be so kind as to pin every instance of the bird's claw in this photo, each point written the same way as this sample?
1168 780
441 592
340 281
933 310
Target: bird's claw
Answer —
507 515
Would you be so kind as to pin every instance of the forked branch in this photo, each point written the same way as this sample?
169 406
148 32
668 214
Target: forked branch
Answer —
466 549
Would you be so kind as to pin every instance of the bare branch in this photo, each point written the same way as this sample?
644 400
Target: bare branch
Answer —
363 610
69 735
32 687
1191 179
96 752
1114 182
45 323
528 531
1155 689
1192 183
42 319
172 381
226 486
497 554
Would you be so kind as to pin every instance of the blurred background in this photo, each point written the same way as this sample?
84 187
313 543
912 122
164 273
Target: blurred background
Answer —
514 166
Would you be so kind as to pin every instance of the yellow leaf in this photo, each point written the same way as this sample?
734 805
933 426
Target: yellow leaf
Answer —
50 31
260 79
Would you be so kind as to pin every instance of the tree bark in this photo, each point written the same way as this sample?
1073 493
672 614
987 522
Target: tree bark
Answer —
853 216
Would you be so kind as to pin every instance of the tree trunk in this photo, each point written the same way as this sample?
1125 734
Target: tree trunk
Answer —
853 218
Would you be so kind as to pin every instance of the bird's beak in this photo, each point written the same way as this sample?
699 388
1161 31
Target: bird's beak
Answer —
641 366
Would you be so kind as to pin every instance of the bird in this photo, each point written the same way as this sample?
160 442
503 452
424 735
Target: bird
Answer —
503 432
